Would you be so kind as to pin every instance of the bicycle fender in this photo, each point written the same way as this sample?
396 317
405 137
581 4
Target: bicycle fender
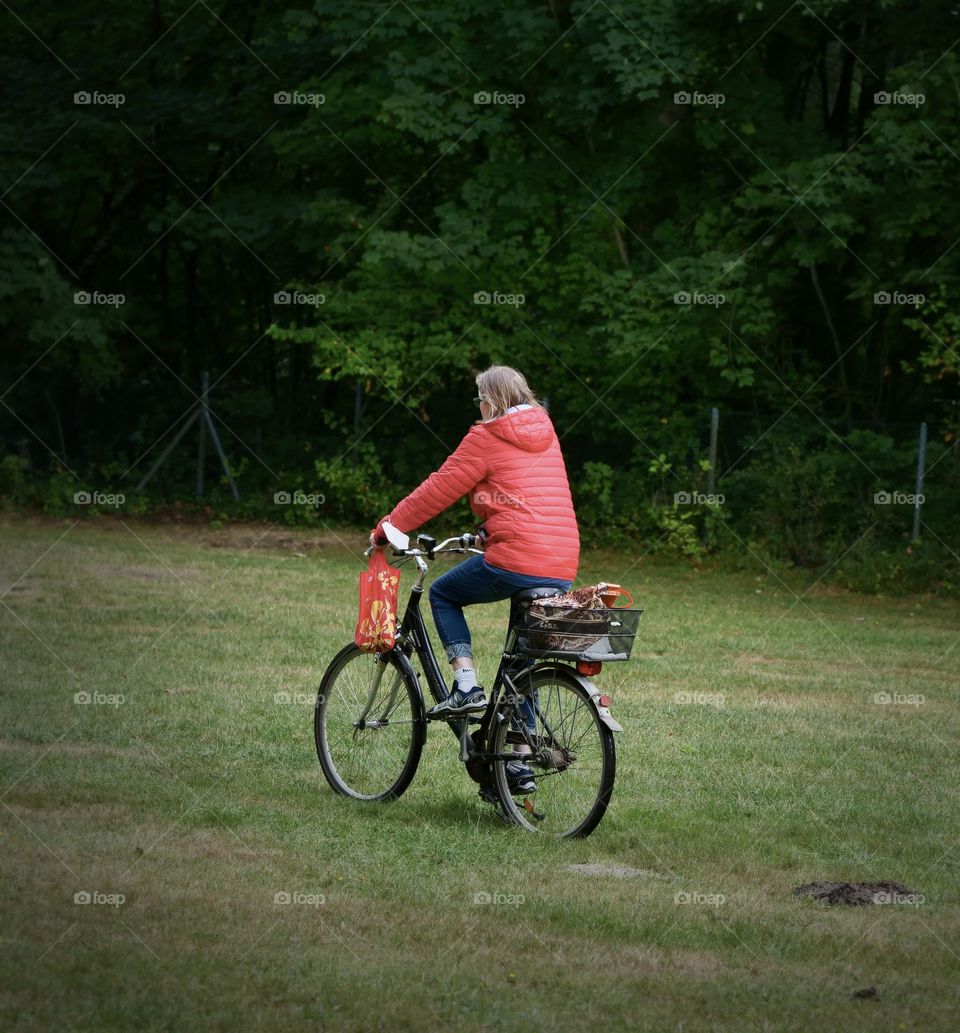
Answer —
594 693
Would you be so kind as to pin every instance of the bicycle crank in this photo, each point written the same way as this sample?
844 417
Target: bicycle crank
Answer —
477 769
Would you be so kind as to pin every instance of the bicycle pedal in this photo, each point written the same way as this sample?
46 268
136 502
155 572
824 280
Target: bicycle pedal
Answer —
451 719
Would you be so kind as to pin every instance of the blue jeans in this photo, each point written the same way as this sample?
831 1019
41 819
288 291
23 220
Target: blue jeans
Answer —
474 581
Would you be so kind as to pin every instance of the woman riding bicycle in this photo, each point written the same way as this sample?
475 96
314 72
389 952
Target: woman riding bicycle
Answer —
511 465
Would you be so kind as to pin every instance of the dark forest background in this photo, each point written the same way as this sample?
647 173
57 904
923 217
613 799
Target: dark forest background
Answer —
343 211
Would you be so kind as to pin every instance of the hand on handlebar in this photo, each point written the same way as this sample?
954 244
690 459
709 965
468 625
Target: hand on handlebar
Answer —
460 543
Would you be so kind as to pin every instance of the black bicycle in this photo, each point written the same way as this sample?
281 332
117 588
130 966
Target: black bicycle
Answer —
370 720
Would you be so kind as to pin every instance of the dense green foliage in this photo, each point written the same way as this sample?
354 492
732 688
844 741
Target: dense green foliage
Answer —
815 169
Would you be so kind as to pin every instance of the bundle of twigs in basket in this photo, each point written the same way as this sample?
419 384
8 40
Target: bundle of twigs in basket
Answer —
565 623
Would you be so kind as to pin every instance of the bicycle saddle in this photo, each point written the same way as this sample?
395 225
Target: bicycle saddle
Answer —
526 595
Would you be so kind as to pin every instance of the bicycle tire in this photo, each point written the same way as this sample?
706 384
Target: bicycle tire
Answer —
343 773
570 682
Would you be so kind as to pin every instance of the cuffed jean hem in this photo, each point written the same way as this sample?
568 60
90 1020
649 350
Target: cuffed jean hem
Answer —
459 649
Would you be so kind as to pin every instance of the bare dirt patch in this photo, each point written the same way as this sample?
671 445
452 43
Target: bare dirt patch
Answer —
141 573
100 812
176 526
614 871
26 589
214 846
302 542
856 894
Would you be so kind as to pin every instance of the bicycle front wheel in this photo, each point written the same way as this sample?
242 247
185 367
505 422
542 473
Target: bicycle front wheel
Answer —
558 734
369 725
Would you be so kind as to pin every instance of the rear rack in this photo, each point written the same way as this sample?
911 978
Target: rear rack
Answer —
578 633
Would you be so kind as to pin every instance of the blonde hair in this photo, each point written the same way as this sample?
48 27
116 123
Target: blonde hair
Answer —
503 386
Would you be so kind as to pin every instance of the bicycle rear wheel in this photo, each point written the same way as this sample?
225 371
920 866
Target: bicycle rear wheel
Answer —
369 725
573 756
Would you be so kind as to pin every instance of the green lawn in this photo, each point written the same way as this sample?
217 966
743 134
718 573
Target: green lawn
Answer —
187 788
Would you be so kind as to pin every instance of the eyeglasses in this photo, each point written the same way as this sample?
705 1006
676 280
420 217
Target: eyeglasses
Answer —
479 399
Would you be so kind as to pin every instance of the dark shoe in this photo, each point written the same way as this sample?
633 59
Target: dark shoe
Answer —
459 703
520 778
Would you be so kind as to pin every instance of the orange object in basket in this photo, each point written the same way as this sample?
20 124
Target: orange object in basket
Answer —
611 593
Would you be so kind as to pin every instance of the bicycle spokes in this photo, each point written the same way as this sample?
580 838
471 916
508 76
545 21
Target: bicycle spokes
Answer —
367 728
555 733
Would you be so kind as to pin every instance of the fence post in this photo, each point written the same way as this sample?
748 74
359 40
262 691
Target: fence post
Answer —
201 413
921 462
201 443
714 428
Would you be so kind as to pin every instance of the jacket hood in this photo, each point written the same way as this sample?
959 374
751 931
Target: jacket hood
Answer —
529 429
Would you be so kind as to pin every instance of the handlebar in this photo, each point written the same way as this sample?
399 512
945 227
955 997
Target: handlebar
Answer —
459 543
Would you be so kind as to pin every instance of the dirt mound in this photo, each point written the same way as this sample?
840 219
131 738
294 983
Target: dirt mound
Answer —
856 894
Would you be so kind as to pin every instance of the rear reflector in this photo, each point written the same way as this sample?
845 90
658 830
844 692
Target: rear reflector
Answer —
604 701
589 666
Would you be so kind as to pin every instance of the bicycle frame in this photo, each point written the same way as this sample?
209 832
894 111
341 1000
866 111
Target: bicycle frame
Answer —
413 637
543 716
524 716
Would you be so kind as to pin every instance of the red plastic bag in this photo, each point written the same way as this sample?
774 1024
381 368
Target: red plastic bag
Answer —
379 591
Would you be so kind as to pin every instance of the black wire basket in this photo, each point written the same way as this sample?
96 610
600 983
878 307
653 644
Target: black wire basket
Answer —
576 633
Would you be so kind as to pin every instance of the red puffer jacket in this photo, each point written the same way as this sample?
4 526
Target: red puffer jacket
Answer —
514 471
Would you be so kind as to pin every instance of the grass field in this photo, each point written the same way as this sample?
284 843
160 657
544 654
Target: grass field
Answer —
186 797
